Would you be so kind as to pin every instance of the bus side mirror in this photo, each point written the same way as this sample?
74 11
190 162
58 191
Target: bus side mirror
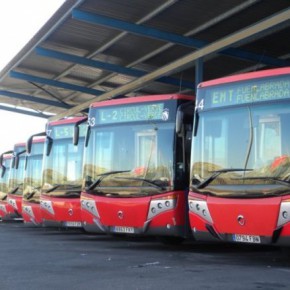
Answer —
184 116
76 135
49 142
16 161
29 145
195 123
17 158
3 171
1 162
87 136
25 164
2 156
30 139
179 122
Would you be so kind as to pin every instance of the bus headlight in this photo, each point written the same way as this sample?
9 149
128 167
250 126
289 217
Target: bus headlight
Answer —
160 205
13 203
47 205
3 208
28 210
199 207
284 213
90 206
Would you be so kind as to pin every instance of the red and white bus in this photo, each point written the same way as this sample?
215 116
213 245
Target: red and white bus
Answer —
62 174
5 161
15 184
240 164
136 166
33 180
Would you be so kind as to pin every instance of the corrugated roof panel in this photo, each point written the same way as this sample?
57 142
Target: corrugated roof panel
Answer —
129 10
85 74
254 13
186 15
199 19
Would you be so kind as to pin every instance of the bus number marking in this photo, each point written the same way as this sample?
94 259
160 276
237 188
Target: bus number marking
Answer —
200 105
92 121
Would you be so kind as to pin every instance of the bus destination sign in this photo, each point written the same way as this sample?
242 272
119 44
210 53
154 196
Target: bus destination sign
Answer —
135 113
253 91
66 131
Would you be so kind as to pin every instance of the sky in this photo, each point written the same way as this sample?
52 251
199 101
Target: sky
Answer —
20 20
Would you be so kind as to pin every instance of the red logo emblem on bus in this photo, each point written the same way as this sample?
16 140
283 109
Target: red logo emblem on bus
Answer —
120 215
241 220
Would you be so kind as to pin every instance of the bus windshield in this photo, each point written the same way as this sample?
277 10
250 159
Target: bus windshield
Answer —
243 145
130 159
16 177
5 178
62 169
33 173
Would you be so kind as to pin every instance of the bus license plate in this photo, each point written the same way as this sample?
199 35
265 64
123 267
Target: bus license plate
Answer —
247 239
73 224
126 230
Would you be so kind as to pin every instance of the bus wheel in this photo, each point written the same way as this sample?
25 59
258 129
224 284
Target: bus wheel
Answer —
171 240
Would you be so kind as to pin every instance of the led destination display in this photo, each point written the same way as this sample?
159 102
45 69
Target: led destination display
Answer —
259 90
65 131
123 114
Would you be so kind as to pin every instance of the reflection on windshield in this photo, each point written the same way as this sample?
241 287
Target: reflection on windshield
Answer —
16 178
4 179
256 140
62 169
126 159
33 173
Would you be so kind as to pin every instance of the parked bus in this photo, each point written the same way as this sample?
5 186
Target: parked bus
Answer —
62 174
136 166
5 162
240 173
15 183
33 180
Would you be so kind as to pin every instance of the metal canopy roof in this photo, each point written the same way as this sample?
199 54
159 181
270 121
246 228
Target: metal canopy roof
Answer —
97 49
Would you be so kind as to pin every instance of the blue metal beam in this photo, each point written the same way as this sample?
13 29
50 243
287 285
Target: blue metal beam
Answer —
31 78
198 72
135 28
109 67
14 110
34 99
173 38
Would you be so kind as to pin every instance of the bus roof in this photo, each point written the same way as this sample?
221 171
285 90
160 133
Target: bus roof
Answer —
147 98
246 76
38 140
20 144
7 156
66 121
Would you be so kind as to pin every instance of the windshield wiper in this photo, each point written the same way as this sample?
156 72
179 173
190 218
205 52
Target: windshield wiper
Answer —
53 188
215 174
65 186
15 189
70 194
4 197
154 184
280 181
102 176
31 194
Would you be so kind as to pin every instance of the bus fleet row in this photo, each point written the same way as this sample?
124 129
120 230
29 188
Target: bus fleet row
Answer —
213 169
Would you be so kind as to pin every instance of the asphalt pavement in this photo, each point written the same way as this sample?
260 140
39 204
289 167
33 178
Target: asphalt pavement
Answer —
41 258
